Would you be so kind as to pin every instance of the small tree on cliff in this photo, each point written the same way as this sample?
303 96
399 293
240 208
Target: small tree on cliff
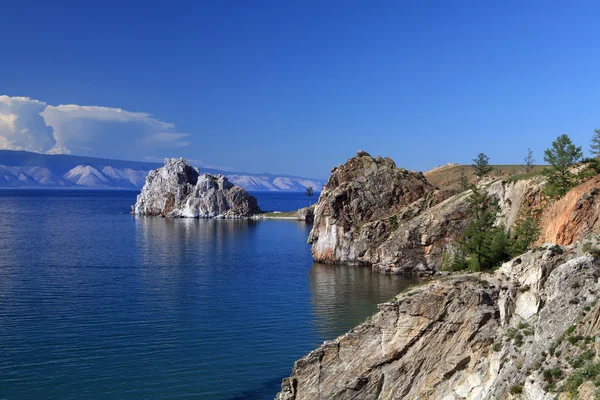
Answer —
595 146
464 181
485 244
528 161
482 165
561 156
524 233
309 193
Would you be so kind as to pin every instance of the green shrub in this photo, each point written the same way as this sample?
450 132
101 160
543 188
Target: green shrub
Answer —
497 347
516 389
577 363
574 339
588 339
571 329
393 220
552 348
556 373
518 340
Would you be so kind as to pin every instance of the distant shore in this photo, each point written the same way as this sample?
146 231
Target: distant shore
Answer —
305 214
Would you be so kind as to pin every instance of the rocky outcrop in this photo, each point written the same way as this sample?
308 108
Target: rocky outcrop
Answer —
361 192
574 216
373 213
306 214
479 336
515 196
179 190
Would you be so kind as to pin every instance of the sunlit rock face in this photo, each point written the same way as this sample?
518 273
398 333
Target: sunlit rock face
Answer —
362 191
374 213
179 190
472 336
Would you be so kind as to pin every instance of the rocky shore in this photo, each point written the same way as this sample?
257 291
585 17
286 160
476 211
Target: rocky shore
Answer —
529 330
475 336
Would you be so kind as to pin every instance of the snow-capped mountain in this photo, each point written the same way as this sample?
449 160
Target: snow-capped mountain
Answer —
21 169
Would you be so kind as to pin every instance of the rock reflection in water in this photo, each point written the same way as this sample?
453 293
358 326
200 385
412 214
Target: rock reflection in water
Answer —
168 241
344 296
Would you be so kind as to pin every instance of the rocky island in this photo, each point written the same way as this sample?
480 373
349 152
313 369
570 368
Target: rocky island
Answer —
179 190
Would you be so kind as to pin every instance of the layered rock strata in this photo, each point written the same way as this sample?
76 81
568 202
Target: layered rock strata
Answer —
479 336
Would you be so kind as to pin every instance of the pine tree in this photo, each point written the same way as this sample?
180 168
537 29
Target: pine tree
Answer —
524 233
486 244
595 146
464 182
528 161
309 193
481 165
561 156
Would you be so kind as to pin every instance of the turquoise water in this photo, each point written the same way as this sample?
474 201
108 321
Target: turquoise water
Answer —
96 303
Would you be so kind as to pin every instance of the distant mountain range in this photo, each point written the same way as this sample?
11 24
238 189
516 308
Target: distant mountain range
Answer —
22 169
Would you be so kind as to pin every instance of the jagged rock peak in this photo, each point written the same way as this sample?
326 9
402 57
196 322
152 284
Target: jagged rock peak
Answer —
179 190
362 190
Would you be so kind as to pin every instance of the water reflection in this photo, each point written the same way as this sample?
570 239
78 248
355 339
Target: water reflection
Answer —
343 296
167 241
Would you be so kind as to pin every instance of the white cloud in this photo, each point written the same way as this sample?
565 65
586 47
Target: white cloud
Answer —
28 124
22 127
170 139
109 132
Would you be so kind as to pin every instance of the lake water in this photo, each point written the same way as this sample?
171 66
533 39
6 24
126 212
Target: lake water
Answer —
98 304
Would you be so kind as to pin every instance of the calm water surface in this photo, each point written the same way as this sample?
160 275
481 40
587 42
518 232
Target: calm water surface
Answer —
98 304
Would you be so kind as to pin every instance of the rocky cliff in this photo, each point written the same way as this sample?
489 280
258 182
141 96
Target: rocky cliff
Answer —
355 202
525 331
373 213
574 216
179 190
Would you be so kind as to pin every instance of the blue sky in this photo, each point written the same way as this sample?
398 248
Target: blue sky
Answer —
298 87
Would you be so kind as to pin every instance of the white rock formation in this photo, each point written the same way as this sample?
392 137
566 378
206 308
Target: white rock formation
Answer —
178 190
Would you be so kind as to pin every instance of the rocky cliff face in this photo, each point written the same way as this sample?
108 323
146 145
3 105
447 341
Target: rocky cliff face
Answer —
359 194
574 216
373 213
179 190
479 336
